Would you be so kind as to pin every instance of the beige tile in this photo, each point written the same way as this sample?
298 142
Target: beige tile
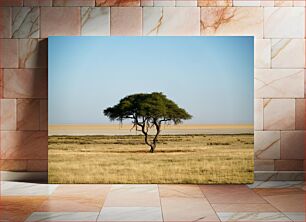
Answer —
95 21
267 3
163 3
212 3
23 144
292 144
253 216
183 191
51 17
230 194
263 165
37 2
267 145
77 197
279 114
299 3
28 114
289 165
134 214
263 207
122 3
278 191
248 3
126 21
43 114
262 53
25 22
279 83
8 114
18 208
146 3
295 216
70 204
232 21
258 114
288 53
64 216
25 83
300 114
187 209
5 22
283 3
33 53
37 165
133 196
73 2
284 22
90 191
284 199
171 21
186 3
8 53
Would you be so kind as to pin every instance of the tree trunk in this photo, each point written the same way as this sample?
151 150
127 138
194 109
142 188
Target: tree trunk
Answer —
145 133
152 148
154 143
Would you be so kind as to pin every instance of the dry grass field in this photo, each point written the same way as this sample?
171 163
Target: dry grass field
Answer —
196 158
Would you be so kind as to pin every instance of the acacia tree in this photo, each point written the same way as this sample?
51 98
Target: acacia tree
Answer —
147 110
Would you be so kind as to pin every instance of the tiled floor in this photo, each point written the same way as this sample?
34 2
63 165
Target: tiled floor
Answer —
269 201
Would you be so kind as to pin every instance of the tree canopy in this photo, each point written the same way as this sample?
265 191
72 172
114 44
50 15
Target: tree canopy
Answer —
147 110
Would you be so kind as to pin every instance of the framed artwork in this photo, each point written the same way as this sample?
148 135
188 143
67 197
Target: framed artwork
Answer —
151 110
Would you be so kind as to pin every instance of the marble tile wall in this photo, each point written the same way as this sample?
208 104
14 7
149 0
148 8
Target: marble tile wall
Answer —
278 27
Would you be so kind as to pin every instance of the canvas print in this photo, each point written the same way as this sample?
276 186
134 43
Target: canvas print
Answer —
151 110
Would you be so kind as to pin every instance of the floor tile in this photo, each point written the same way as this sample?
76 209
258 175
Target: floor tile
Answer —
276 184
76 197
187 209
63 216
71 204
263 207
92 191
284 199
9 188
296 216
230 194
266 192
190 191
18 208
274 216
133 196
130 214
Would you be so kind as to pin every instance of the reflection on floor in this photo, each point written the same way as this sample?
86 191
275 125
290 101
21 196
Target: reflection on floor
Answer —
268 201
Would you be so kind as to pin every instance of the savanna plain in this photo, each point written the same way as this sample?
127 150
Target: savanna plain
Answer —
178 158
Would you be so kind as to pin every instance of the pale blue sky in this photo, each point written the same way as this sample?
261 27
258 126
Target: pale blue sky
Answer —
211 77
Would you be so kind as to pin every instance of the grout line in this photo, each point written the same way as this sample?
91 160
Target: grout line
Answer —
104 201
161 208
209 202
